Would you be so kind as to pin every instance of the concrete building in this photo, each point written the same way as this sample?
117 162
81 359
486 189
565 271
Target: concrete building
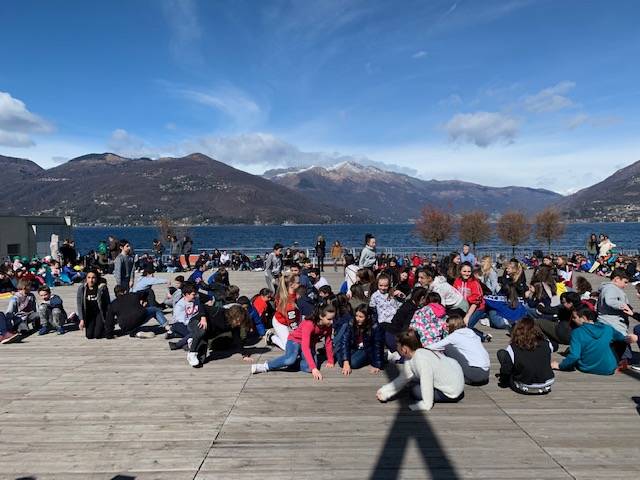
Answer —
28 236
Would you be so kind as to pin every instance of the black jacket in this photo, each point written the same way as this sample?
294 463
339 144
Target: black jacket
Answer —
127 311
401 320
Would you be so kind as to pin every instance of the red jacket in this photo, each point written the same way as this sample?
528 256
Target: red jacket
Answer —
307 335
471 291
292 316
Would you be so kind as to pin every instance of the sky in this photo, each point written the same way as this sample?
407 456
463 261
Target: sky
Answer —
515 92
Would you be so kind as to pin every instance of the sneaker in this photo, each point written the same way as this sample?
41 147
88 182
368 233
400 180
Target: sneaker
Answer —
173 346
393 357
259 368
484 321
622 365
169 335
267 337
10 337
72 317
43 330
60 330
635 368
487 337
192 358
145 335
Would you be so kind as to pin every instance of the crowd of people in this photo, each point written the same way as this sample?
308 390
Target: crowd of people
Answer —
420 311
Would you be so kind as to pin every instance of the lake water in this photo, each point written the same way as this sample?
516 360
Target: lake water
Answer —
249 237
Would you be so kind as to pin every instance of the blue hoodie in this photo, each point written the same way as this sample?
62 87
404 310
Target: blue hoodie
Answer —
591 349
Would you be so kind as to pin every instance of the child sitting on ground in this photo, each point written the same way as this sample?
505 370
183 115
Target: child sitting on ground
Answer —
463 345
51 312
21 312
440 378
429 322
301 345
361 343
590 350
525 365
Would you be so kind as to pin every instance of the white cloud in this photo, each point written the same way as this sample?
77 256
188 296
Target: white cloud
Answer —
185 29
419 54
583 119
14 139
17 123
128 145
482 128
231 101
257 152
550 99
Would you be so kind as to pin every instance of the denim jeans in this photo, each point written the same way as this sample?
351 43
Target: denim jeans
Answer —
292 357
359 359
496 321
181 329
155 312
476 317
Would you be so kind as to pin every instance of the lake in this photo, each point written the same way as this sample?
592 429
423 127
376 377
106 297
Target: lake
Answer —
262 237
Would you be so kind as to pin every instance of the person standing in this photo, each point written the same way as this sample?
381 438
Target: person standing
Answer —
368 254
467 256
158 250
273 267
187 248
123 267
321 248
336 254
592 247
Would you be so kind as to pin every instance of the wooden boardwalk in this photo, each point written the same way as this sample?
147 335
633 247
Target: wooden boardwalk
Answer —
131 409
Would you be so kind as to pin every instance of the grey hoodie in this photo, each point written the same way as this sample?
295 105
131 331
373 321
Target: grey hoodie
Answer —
610 304
367 257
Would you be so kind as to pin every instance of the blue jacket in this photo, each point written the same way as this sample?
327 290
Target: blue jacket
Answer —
373 344
591 349
500 305
257 321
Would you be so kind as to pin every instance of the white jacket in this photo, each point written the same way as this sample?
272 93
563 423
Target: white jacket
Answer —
449 295
432 370
468 344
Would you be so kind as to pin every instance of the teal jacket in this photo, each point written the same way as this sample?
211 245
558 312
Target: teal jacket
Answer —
591 349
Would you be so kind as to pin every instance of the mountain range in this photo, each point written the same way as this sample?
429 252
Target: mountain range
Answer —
196 189
614 199
394 197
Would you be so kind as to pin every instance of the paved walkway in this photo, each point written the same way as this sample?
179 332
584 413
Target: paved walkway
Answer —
132 409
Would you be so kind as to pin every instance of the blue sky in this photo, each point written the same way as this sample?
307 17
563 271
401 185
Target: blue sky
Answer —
537 93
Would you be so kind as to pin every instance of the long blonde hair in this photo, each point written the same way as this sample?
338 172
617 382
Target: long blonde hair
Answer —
486 264
282 295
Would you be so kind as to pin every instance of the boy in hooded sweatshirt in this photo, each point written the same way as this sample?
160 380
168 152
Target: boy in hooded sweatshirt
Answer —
590 350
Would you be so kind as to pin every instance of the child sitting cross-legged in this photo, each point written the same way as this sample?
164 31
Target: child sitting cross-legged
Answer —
51 311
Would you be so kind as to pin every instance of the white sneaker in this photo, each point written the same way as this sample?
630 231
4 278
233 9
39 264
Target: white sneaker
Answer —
192 358
145 335
484 321
259 368
393 357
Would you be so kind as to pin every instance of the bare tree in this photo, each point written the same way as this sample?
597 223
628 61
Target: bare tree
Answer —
434 225
549 226
164 228
474 228
513 229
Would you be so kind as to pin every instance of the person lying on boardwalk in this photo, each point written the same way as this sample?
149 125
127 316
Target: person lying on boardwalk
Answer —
525 365
300 350
439 378
130 312
591 344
